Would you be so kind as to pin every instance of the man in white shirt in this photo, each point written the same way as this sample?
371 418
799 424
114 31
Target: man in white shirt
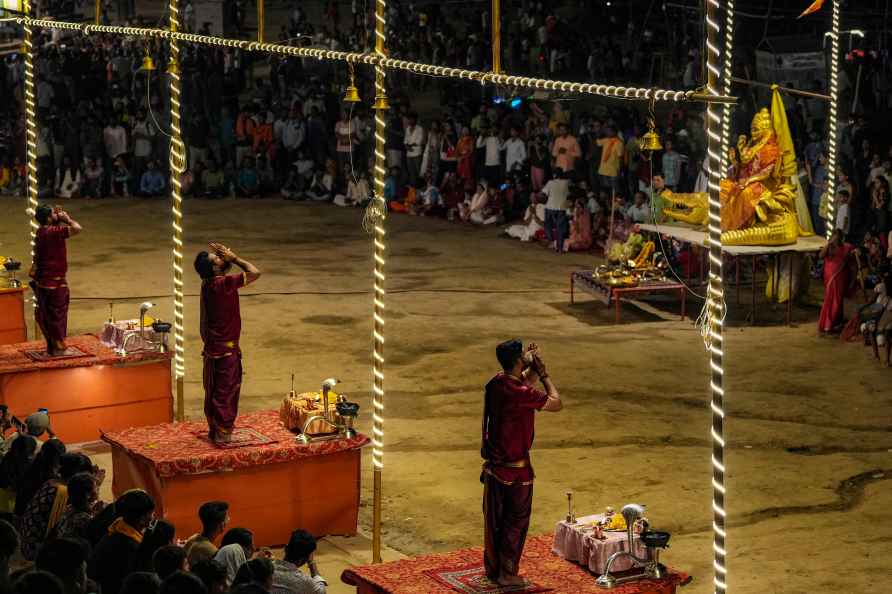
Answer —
556 225
413 138
492 163
843 222
115 138
515 152
288 578
639 212
294 132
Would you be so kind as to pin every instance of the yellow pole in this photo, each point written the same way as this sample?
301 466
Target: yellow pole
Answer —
98 12
376 216
497 36
30 136
260 21
177 167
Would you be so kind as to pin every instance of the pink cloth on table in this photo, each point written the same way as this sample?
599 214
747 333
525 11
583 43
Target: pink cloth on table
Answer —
573 543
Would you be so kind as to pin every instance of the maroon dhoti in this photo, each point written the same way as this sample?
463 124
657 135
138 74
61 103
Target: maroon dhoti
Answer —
222 386
51 314
506 516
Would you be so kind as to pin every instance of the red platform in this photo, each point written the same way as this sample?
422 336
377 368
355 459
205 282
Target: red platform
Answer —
272 488
12 316
101 391
539 564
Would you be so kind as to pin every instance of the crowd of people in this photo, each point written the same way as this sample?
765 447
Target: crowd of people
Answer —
58 537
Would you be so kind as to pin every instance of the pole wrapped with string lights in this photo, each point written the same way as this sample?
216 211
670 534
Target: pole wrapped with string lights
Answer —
30 126
376 216
715 300
833 131
727 79
177 168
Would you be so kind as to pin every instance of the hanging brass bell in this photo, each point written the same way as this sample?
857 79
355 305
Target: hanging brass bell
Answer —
147 63
381 103
651 142
352 94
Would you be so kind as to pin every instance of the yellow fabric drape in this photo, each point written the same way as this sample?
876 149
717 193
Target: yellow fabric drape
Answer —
787 161
119 526
60 503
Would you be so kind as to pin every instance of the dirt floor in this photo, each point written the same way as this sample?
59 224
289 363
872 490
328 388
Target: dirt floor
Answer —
808 419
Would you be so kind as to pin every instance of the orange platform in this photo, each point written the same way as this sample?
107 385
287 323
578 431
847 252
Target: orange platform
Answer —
272 488
12 316
87 395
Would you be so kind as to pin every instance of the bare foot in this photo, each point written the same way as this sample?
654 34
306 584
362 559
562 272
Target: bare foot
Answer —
510 580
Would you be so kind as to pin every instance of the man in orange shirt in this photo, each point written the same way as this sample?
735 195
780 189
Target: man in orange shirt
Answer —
612 150
565 151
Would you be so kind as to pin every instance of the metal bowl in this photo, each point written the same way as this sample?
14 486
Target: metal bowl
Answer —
159 326
655 539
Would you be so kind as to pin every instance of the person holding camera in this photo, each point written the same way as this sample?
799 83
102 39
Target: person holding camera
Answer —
510 404
48 270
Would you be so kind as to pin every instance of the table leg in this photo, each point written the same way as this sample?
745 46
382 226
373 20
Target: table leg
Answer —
571 288
754 292
684 295
792 256
617 301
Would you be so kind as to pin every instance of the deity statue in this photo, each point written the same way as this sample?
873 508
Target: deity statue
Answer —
759 200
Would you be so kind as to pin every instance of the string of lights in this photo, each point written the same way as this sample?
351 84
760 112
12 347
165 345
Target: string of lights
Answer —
177 168
727 79
833 117
377 215
380 59
715 302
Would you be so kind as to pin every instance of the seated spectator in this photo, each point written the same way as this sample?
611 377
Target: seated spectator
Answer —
182 583
213 181
407 204
320 186
161 534
532 227
13 467
639 212
429 200
5 176
68 180
114 555
168 560
580 239
288 578
214 517
152 184
48 505
141 582
236 547
120 178
83 496
258 571
187 182
392 185
248 179
94 180
38 582
293 188
474 206
65 558
358 192
44 468
9 546
213 574
266 174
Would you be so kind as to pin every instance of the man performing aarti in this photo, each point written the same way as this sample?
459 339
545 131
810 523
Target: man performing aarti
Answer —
760 205
48 270
511 402
221 327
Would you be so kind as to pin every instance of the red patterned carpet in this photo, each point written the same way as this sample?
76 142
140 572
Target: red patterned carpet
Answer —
182 448
539 565
13 358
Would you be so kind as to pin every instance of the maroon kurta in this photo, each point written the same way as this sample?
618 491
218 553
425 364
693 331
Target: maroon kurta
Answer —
52 295
221 327
508 429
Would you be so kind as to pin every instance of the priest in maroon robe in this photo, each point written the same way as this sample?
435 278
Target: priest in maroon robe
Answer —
48 270
511 402
221 327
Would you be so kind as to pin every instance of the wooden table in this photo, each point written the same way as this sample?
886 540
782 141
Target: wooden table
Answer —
585 280
12 316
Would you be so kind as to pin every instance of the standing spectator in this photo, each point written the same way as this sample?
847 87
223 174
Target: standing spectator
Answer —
144 133
345 135
565 150
818 189
515 153
539 160
671 166
414 142
492 160
836 282
68 180
612 151
114 137
199 135
843 218
557 190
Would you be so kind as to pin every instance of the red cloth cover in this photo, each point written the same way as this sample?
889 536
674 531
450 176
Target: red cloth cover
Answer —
13 358
539 565
174 449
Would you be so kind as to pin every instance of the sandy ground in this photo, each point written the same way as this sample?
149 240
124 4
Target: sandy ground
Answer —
808 419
